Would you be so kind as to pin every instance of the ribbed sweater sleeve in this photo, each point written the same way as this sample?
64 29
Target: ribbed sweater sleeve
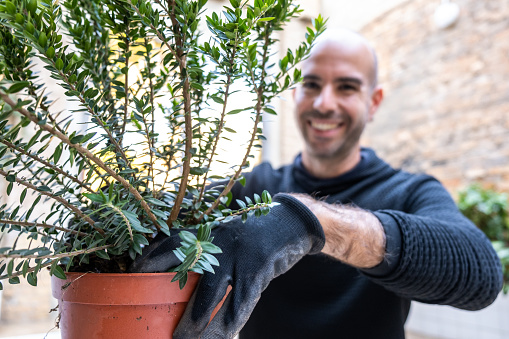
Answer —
444 258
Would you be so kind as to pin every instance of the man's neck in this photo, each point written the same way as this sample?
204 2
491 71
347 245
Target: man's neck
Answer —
326 168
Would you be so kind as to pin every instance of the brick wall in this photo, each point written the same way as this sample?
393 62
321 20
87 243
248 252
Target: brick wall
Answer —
447 92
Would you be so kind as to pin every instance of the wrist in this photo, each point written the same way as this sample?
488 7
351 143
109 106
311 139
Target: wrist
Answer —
352 235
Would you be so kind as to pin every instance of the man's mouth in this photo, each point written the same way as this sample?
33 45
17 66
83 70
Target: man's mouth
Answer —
324 126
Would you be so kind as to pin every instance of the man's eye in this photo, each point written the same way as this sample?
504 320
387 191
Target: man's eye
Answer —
346 87
310 85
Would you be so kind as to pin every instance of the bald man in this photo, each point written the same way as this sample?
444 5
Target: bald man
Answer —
355 241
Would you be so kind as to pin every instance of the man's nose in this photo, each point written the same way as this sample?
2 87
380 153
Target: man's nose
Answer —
325 102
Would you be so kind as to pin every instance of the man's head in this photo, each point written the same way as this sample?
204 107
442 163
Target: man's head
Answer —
338 96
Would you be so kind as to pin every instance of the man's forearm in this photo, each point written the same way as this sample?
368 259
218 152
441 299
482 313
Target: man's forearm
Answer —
352 235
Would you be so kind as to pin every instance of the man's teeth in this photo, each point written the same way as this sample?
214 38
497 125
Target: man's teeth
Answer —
323 126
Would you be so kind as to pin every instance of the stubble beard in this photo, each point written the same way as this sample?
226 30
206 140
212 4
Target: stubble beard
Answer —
342 148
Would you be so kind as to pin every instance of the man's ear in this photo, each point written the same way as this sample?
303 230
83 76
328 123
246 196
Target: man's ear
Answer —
293 92
376 99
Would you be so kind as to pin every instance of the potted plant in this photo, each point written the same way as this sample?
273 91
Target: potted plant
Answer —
155 93
489 210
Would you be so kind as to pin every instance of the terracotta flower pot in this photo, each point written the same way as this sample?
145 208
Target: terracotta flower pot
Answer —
109 306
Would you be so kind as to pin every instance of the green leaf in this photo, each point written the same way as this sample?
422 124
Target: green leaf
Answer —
23 195
59 64
270 110
9 188
9 6
241 203
234 111
140 239
156 202
249 201
19 18
18 86
30 28
43 40
210 258
197 86
26 266
102 254
32 7
217 99
135 223
203 233
269 18
32 278
230 198
76 139
10 267
183 281
257 198
210 247
91 92
50 53
57 153
187 236
266 198
87 137
14 281
58 272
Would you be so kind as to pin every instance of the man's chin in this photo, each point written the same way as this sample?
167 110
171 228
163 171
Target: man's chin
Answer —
330 153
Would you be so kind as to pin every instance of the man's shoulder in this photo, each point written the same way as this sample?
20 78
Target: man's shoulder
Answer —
397 173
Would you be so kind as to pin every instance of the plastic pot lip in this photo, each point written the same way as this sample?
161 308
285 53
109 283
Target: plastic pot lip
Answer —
74 275
122 288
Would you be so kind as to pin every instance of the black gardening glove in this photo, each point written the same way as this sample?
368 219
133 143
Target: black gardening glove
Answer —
254 253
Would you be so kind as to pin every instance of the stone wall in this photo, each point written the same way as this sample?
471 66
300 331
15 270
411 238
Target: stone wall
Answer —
447 92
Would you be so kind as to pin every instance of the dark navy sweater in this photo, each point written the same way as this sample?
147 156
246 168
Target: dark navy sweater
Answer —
434 255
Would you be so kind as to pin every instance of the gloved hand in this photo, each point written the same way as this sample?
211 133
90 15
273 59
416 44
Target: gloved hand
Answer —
254 253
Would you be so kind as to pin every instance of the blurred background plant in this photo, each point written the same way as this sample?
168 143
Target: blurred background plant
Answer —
489 210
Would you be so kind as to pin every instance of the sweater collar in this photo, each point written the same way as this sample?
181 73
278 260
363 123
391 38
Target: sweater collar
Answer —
369 165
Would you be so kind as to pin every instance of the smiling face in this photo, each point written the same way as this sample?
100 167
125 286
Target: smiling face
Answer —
336 99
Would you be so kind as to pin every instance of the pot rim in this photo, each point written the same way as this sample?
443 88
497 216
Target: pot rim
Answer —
122 288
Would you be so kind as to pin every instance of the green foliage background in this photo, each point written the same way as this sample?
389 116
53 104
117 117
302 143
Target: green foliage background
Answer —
489 210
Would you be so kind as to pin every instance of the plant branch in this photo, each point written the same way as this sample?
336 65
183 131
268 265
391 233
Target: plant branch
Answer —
19 273
86 153
186 167
150 139
57 198
126 86
35 224
259 91
159 35
181 59
249 209
54 256
57 126
221 122
127 222
47 164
